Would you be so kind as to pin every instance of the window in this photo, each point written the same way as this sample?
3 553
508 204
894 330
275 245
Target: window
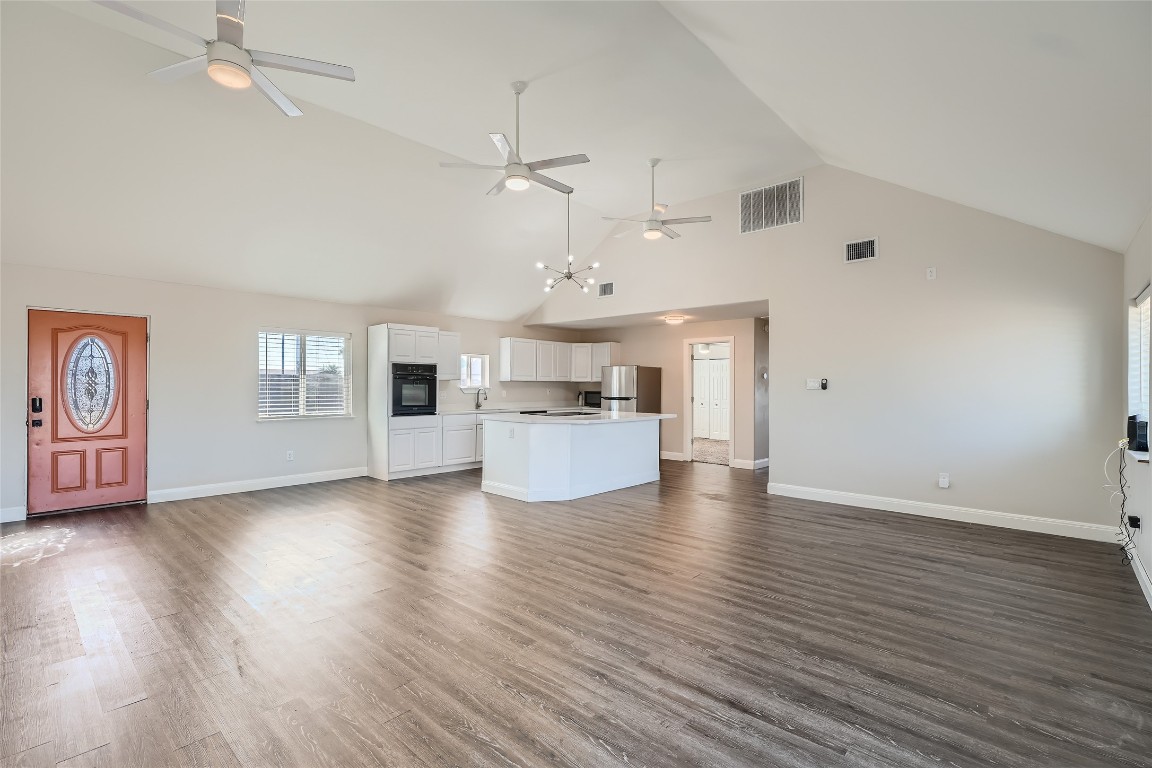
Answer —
473 371
303 374
1138 342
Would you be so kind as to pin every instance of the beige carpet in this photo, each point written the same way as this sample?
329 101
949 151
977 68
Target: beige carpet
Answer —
710 451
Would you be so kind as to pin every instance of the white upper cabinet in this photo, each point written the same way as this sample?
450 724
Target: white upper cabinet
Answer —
604 353
545 361
448 355
517 359
427 343
581 362
401 345
563 359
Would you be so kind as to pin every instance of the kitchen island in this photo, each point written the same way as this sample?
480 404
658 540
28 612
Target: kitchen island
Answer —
556 457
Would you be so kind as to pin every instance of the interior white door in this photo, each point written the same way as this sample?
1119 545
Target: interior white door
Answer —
701 398
718 375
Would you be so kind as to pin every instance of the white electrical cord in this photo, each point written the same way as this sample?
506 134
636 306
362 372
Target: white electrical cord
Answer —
1120 488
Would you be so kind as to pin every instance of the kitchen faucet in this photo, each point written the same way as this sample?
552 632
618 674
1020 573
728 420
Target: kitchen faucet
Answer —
480 391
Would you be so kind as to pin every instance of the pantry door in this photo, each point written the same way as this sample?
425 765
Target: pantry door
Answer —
87 410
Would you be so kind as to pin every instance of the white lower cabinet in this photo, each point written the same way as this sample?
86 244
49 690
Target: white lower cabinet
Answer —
427 448
401 450
480 441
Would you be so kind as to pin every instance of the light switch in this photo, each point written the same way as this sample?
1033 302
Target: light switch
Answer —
812 384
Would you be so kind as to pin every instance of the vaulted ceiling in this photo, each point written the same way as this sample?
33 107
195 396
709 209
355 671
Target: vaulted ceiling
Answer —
1036 111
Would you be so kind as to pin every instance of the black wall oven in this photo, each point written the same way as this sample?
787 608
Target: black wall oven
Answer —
413 389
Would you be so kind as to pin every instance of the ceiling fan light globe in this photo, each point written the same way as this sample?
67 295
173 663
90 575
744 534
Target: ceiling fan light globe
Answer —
584 288
590 280
595 265
653 234
229 74
539 265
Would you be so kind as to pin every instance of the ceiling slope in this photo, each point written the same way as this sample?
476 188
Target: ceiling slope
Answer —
1037 111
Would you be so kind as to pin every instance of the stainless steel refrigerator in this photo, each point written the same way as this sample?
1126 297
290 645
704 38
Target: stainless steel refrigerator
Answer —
630 389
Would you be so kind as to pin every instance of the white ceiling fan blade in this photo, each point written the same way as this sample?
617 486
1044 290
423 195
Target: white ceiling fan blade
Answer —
127 10
551 183
506 151
180 69
669 233
274 94
689 220
498 187
307 66
629 229
557 162
613 218
230 22
473 166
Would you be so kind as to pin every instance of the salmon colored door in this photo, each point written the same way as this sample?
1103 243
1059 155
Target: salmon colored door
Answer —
87 410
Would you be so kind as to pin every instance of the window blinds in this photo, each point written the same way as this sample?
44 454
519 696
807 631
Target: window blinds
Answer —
1139 332
303 374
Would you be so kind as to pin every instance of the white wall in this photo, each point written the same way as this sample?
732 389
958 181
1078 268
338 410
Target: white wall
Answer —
1006 371
1137 274
202 376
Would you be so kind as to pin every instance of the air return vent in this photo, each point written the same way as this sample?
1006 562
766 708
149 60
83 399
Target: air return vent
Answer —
772 206
861 250
605 289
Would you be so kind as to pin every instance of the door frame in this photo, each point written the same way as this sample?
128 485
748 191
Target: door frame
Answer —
688 386
147 396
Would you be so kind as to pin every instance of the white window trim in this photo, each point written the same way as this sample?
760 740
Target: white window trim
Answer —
348 399
1138 351
485 373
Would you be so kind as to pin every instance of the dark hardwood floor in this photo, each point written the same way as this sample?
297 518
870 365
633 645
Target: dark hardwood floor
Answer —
697 621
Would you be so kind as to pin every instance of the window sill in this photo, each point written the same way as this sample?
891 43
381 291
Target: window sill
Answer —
274 419
1139 456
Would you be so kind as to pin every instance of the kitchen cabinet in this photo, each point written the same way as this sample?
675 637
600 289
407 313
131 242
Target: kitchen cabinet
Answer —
448 355
427 447
480 441
401 345
401 450
604 353
518 359
545 361
459 439
427 343
581 362
563 361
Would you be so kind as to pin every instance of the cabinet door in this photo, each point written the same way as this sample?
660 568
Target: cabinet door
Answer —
523 354
581 362
545 361
427 343
563 359
401 346
479 442
459 445
427 444
601 356
448 355
401 450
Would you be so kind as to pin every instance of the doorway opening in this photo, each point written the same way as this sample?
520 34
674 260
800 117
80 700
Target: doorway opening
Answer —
708 384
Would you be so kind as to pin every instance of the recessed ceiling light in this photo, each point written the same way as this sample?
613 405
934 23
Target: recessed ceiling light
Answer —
674 319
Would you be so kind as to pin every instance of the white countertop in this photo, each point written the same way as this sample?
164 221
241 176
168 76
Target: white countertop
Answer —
458 409
596 417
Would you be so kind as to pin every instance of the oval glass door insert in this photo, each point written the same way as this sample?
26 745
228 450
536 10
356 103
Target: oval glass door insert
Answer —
90 384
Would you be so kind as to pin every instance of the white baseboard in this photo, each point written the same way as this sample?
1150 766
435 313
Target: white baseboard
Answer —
1090 531
673 456
13 514
1142 577
260 484
746 464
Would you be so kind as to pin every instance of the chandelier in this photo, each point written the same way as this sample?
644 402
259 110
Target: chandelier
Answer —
568 274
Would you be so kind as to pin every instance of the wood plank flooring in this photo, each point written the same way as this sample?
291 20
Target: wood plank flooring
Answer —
696 621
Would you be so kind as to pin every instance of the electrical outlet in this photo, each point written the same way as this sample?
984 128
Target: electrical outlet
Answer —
944 482
291 456
931 273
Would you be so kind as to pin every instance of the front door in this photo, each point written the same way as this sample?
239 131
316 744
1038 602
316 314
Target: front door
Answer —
87 410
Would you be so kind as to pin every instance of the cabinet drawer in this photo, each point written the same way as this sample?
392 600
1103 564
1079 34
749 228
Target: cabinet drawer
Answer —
459 419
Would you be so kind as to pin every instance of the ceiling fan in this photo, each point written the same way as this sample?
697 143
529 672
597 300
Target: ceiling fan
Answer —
226 59
518 175
654 226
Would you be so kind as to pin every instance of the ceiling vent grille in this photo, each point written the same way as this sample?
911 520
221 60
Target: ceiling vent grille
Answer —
861 250
773 206
604 290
